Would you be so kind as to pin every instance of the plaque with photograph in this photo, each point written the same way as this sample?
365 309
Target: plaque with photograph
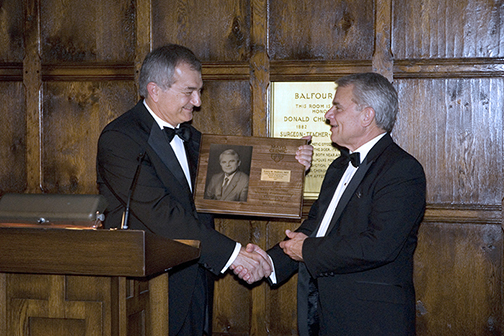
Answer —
250 176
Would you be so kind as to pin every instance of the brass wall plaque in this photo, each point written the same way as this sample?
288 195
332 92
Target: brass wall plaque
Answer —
298 109
266 179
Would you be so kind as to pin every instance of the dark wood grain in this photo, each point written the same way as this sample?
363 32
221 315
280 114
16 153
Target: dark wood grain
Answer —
458 275
89 252
321 30
74 113
12 33
453 126
450 29
67 305
216 30
233 297
32 81
226 108
92 30
13 145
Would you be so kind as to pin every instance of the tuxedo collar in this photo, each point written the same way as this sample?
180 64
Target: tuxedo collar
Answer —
379 147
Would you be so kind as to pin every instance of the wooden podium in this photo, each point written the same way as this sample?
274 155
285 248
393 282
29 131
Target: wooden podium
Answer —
66 282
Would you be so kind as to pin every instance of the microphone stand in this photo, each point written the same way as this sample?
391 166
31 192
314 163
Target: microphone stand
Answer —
125 217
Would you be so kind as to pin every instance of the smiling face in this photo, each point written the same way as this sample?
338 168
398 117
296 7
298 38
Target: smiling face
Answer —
175 105
345 117
229 163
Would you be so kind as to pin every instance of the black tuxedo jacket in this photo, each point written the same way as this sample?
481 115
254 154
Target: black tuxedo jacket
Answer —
364 265
162 201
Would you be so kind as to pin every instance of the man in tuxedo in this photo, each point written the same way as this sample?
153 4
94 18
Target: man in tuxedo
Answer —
230 184
354 252
156 138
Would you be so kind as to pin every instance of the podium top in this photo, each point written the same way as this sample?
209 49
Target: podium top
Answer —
130 253
45 210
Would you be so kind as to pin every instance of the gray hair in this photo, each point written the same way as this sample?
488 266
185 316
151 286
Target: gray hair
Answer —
374 90
159 66
229 152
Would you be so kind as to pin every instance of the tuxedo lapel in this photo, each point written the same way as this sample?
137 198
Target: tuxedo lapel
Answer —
192 152
373 154
335 172
159 143
333 176
349 191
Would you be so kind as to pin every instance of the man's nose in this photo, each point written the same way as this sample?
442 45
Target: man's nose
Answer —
196 98
329 113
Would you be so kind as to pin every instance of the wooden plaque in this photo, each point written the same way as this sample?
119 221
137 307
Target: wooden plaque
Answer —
269 180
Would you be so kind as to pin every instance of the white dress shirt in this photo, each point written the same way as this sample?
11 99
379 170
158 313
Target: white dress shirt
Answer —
177 145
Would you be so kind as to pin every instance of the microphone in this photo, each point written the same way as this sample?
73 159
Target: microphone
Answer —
125 217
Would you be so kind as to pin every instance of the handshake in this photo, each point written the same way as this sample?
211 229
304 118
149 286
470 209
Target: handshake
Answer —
252 264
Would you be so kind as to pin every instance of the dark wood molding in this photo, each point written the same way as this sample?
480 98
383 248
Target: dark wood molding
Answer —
88 72
280 70
32 81
449 68
11 72
284 71
449 213
463 214
226 71
383 60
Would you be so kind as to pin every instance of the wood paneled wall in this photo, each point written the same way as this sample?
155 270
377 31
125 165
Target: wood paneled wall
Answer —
68 67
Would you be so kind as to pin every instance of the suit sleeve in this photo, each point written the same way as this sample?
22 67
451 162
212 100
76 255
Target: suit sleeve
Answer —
284 266
157 205
376 225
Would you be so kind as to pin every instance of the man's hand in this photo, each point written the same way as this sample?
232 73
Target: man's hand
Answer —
251 264
293 247
304 153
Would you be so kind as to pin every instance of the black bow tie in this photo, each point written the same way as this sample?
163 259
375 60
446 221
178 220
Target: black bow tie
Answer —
183 132
347 157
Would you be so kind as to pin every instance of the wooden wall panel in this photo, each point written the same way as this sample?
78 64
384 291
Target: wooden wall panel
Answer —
13 108
321 30
458 279
225 108
74 113
215 30
281 301
91 30
454 127
448 71
233 297
12 138
448 29
11 31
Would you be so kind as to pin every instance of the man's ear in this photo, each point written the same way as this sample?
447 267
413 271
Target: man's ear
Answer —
153 90
368 115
